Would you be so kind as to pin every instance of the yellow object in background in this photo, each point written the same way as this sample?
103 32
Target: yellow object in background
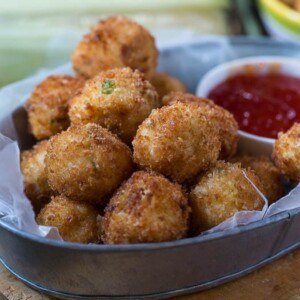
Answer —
280 20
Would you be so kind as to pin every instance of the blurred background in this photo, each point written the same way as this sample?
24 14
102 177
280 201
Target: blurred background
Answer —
37 34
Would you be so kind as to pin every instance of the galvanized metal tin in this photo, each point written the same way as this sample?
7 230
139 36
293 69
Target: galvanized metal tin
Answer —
151 271
160 270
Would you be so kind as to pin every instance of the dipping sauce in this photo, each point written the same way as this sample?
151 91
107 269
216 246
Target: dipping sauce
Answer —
261 104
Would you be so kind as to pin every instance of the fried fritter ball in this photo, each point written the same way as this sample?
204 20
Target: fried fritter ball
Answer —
36 185
87 162
165 83
77 222
224 120
146 208
177 141
173 97
118 99
114 43
286 152
221 192
266 171
48 105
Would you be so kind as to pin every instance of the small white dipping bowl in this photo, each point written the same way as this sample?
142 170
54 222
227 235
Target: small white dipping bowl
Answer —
249 143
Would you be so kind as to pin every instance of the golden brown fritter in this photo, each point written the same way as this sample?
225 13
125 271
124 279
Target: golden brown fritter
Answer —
225 122
48 105
267 172
147 208
77 222
115 43
174 97
178 141
220 193
36 185
118 99
286 152
165 83
87 162
228 129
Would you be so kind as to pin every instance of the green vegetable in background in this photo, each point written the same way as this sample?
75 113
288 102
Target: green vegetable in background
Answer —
79 7
29 44
42 34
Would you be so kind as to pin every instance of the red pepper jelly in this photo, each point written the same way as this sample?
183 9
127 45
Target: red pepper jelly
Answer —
261 104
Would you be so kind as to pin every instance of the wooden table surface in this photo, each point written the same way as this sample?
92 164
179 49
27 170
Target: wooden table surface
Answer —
279 280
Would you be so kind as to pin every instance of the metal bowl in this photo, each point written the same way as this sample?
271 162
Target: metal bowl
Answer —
159 270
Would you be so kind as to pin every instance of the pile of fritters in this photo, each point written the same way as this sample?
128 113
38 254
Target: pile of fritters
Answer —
126 156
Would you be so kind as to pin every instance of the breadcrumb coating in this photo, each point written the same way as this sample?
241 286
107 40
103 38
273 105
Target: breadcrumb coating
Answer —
77 222
115 42
178 141
48 105
286 153
267 172
173 97
36 185
118 99
165 83
87 163
146 208
224 120
221 192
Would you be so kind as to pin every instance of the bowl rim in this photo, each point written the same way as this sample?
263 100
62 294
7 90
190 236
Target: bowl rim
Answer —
284 14
236 64
202 238
256 137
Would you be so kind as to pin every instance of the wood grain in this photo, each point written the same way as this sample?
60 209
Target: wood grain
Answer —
14 289
279 280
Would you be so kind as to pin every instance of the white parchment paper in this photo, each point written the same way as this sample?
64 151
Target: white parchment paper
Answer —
15 208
